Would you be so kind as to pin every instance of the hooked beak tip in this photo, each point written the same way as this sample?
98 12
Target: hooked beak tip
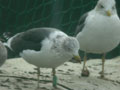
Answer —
78 58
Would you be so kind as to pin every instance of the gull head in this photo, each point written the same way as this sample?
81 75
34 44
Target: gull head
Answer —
71 47
106 7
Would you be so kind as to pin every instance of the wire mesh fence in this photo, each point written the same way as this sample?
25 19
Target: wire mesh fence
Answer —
20 15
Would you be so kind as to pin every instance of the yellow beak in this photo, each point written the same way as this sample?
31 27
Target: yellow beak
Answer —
78 58
108 13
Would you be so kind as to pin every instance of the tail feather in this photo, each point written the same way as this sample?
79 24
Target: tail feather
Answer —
11 53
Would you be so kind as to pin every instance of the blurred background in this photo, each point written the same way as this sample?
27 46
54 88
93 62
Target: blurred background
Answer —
20 15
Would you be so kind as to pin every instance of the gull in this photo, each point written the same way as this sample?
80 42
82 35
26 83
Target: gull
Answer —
45 48
98 31
3 53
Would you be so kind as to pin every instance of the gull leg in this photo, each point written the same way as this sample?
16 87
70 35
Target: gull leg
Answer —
85 59
54 78
103 63
85 71
38 77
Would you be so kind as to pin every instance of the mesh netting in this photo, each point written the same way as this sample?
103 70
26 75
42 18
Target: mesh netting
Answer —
21 15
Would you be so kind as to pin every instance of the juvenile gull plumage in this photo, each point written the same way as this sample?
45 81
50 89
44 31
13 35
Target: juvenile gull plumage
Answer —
98 31
45 47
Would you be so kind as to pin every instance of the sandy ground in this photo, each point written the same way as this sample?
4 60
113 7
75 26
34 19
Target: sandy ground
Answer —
16 74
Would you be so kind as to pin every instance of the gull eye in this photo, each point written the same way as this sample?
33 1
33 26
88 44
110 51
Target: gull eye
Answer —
113 7
101 6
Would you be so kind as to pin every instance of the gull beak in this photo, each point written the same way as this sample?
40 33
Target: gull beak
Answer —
108 13
78 58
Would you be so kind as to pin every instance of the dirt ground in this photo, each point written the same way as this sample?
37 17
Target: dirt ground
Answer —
17 74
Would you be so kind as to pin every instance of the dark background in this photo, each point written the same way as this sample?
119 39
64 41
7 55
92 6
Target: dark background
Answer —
20 15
